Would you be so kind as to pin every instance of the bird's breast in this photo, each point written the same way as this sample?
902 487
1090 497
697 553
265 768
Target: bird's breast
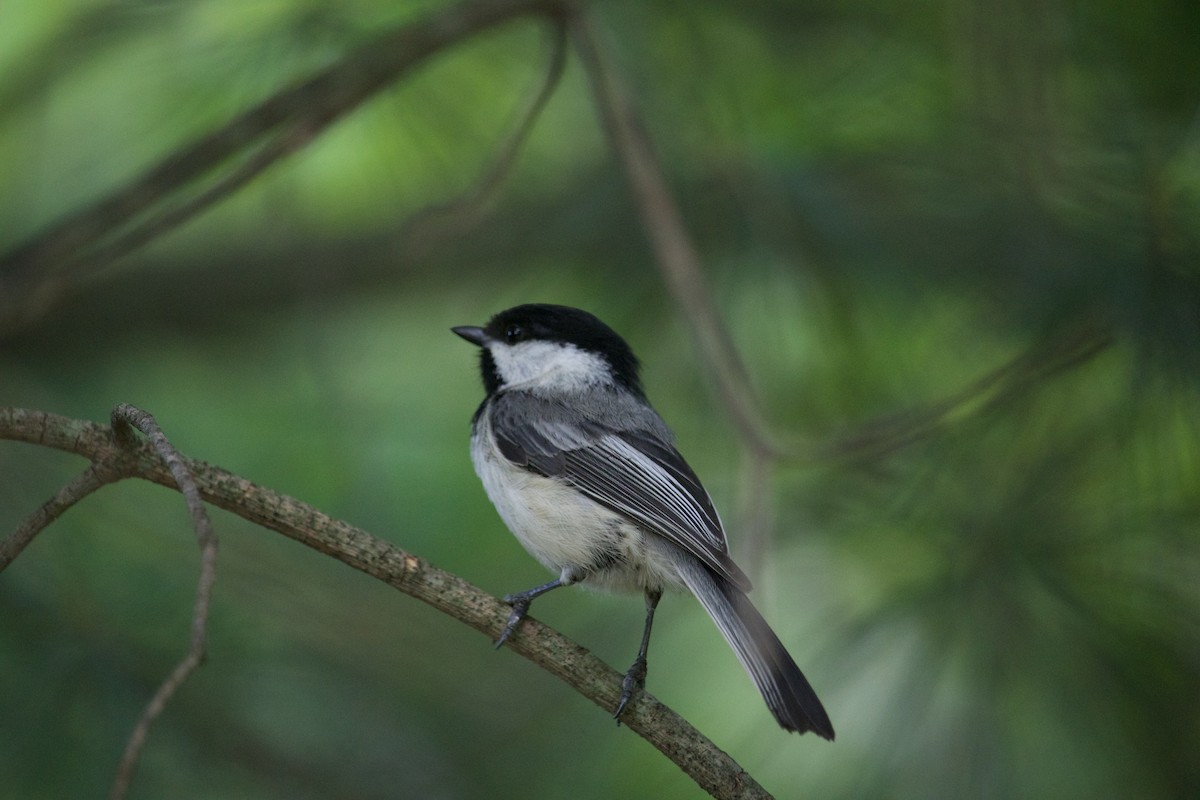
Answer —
565 529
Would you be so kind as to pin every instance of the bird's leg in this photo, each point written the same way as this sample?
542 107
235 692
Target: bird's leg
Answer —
635 677
520 603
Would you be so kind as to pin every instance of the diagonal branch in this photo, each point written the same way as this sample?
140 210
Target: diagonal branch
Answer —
672 735
161 220
38 271
891 432
681 269
676 254
97 475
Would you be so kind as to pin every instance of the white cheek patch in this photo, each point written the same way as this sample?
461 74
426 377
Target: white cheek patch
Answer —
548 364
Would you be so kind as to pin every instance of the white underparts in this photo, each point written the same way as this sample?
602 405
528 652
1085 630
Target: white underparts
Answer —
568 532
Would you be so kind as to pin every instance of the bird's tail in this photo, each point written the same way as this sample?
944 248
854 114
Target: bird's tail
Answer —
782 684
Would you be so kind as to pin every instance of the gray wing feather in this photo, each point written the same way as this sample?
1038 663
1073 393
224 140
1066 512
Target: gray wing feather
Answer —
626 463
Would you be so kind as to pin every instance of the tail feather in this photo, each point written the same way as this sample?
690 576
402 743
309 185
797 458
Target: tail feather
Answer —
786 691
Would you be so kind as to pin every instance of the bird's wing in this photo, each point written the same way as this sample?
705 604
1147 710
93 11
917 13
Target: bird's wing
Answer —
633 471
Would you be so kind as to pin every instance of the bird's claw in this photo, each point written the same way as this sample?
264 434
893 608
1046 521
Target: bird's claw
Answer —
634 680
520 607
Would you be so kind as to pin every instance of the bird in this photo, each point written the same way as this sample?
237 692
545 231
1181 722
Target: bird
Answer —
586 475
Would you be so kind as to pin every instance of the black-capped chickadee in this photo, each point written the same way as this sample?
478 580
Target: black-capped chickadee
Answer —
585 474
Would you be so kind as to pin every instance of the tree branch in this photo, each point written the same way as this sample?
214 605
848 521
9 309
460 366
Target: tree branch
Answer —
672 735
892 431
38 271
679 264
94 477
466 208
125 419
676 255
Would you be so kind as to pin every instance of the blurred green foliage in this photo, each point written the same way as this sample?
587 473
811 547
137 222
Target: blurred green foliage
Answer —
1001 599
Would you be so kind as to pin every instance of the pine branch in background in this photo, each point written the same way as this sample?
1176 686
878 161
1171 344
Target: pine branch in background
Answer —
37 273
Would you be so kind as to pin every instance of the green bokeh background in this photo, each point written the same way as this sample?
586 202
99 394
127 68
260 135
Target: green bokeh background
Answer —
891 201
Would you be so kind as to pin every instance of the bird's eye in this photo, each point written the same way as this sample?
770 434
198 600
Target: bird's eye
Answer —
513 334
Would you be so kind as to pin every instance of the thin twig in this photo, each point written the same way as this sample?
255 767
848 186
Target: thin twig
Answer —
676 255
892 431
756 518
125 418
672 735
679 263
92 478
472 201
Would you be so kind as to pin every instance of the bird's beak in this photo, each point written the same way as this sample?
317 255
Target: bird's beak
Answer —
473 334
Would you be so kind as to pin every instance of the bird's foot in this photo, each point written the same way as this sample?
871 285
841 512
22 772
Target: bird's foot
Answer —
634 680
520 603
